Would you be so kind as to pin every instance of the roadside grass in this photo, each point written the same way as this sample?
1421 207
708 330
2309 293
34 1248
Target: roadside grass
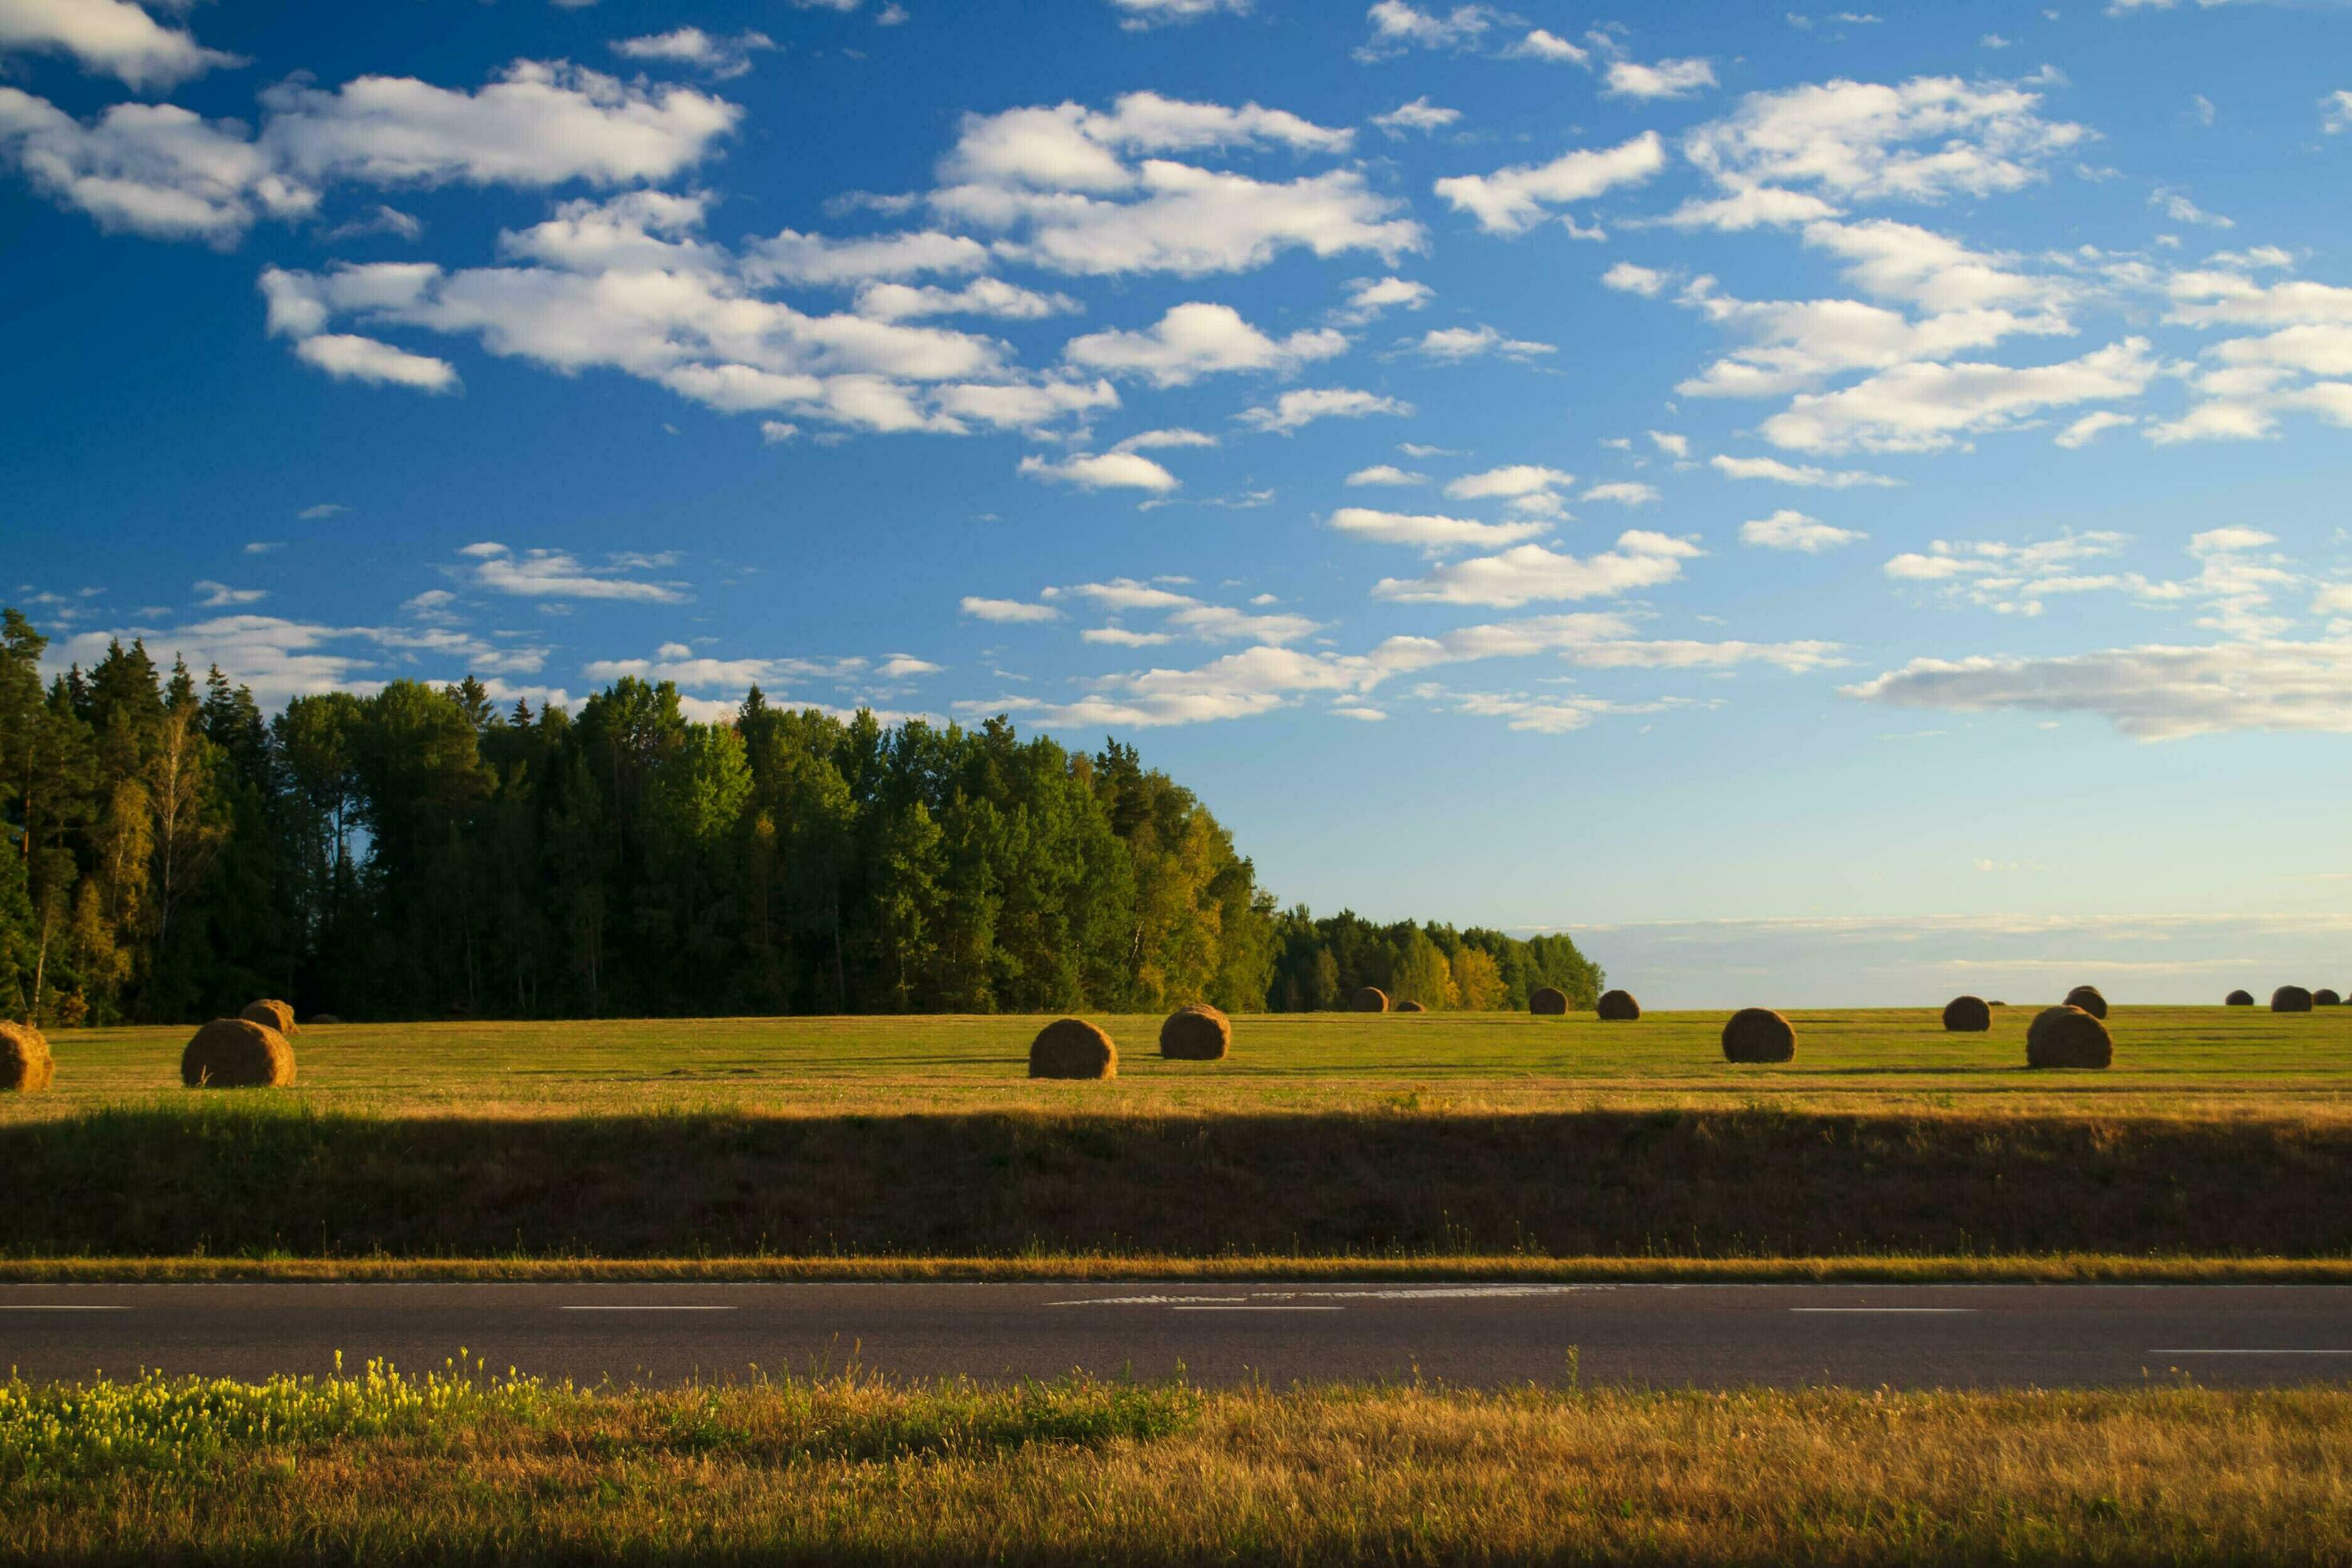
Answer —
471 1466
2169 1062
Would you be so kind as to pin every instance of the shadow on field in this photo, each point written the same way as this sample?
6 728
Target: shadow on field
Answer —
249 1177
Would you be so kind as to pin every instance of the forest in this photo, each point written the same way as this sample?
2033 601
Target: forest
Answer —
419 852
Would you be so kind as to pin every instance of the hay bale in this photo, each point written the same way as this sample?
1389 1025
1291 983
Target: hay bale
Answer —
2067 1036
272 1014
2289 999
236 1053
25 1064
1968 1016
1758 1035
1072 1047
2324 997
1618 1007
2088 999
1409 1006
1196 1032
318 1018
1370 999
2238 999
1548 1001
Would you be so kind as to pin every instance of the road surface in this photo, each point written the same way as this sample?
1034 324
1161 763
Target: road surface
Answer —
1659 1335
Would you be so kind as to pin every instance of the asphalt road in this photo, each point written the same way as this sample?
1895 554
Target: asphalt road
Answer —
1660 1335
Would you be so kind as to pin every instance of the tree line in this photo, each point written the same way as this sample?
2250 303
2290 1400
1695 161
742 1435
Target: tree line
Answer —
173 851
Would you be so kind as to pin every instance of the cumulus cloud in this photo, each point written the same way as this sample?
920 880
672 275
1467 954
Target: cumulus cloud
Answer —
1664 78
1135 15
1628 279
1801 474
2152 692
1642 559
1008 612
1369 297
1418 115
349 357
1923 408
1788 529
1429 533
1384 474
112 37
791 256
1450 345
1196 339
154 170
1102 470
722 57
560 574
1511 201
1294 410
1397 27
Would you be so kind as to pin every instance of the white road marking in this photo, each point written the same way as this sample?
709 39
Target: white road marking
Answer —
1257 1309
2254 1352
15 1307
1932 1311
649 1309
1141 1301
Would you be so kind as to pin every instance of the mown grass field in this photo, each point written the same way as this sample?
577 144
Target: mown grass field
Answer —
2169 1062
471 1466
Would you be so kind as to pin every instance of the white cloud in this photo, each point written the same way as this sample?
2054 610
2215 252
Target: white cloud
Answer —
1511 481
1367 297
1134 15
1673 446
1513 200
792 257
1294 409
1431 533
1453 344
2336 111
1666 79
1196 339
1628 279
149 169
1155 440
981 297
1928 139
1008 612
722 57
1749 206
220 595
1788 529
2181 209
1801 474
1418 115
112 37
349 357
1641 559
1540 45
2152 692
1397 27
536 123
2084 431
1385 474
1103 470
559 574
1928 408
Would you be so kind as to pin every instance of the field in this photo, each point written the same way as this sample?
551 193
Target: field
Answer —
469 1466
1339 1139
2169 1062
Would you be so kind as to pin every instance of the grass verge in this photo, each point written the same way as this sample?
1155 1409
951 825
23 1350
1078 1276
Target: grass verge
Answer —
468 1467
243 1175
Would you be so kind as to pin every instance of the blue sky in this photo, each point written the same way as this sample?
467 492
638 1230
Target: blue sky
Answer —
1845 507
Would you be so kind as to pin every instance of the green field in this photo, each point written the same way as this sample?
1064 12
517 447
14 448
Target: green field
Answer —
2190 1061
1337 1140
470 1467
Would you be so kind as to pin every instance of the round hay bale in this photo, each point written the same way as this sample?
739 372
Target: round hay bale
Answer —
1548 1001
2088 999
1196 1032
2238 999
1409 1006
1758 1035
1968 1016
1997 1001
25 1064
2324 997
1617 1008
236 1053
1072 1047
1370 999
317 1018
2289 999
272 1014
2067 1036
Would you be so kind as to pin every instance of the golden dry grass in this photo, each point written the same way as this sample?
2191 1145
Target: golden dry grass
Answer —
859 1471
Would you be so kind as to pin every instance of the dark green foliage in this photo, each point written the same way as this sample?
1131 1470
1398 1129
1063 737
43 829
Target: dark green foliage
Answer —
1319 963
167 852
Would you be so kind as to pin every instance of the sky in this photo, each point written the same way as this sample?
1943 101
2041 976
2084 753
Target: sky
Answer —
1832 507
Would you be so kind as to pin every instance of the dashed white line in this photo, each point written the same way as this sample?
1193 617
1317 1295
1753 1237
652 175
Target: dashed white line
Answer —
2252 1351
648 1308
31 1307
1257 1309
1932 1311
